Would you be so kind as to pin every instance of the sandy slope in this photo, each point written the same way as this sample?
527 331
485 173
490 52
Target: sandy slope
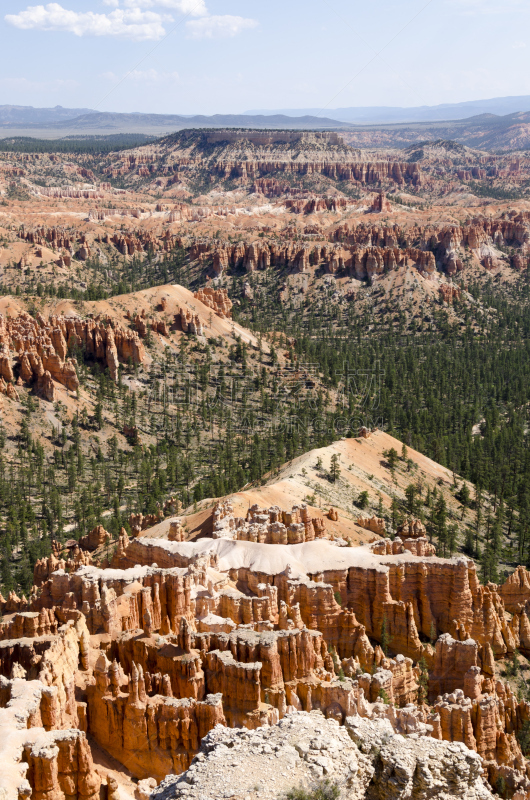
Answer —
363 468
147 300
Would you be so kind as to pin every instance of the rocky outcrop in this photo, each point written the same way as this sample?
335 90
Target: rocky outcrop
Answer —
362 173
45 567
60 766
176 531
46 387
377 249
37 760
515 591
365 760
375 524
98 537
44 752
413 594
267 526
359 261
380 204
256 628
190 322
154 735
217 300
40 347
450 293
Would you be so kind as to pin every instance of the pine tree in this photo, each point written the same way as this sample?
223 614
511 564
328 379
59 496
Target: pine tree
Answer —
410 494
452 536
423 681
334 471
396 513
363 499
392 458
469 545
464 498
385 637
441 524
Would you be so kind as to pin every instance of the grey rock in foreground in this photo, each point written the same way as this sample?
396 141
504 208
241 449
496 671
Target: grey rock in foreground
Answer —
365 758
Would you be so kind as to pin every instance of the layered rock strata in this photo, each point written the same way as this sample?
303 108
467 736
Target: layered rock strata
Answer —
267 526
178 640
37 349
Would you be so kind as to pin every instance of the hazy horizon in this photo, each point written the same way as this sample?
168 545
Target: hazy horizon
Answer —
227 56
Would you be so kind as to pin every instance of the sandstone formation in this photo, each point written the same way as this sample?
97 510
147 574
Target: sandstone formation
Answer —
355 260
360 173
96 538
263 623
190 322
217 300
37 349
267 526
350 248
380 204
374 524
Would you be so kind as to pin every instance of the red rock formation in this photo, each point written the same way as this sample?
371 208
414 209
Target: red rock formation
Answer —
179 636
450 293
42 345
60 766
154 735
217 300
46 387
380 204
360 173
176 531
96 538
374 524
267 526
190 323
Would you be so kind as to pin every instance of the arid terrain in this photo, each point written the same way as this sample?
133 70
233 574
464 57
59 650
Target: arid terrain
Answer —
264 468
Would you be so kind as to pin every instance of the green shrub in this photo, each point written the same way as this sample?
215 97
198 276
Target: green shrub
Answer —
323 790
363 500
523 737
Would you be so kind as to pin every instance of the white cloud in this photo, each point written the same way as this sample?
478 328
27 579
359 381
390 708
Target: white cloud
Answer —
128 24
194 8
144 76
216 27
131 20
518 45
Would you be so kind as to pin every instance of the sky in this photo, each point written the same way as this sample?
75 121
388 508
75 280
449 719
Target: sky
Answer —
228 56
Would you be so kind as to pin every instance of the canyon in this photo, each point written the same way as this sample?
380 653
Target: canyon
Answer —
303 205
270 618
225 571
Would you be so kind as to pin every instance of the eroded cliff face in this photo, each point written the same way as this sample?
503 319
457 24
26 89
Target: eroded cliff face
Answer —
37 349
246 629
365 250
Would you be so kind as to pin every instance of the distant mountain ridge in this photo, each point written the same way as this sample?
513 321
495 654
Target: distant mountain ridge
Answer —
86 119
500 106
485 129
27 115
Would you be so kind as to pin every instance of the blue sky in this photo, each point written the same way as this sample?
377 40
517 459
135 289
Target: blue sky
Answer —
214 56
